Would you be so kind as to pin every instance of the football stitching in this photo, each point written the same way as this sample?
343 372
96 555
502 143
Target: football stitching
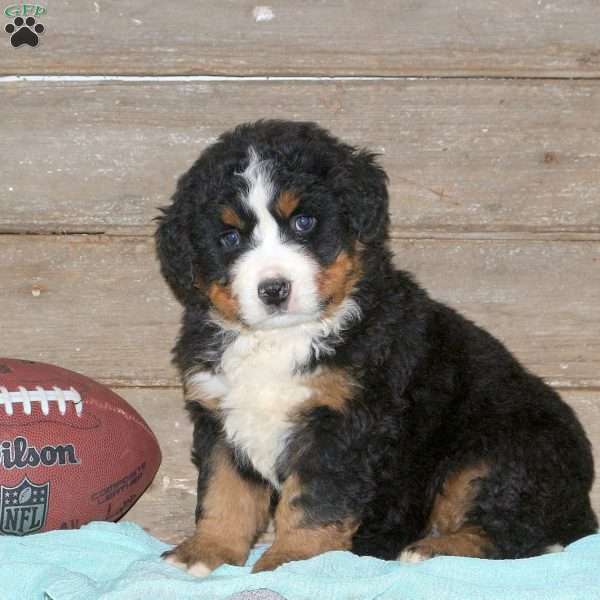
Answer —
45 397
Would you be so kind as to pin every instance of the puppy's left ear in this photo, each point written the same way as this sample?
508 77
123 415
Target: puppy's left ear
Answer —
174 249
365 196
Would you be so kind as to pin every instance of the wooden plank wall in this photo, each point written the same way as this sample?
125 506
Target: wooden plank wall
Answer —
486 116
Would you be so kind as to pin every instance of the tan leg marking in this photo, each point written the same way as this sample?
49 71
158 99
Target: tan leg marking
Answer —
447 531
295 539
234 513
456 498
223 300
286 204
336 281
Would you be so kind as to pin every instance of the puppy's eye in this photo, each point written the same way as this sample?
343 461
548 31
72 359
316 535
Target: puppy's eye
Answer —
303 223
231 238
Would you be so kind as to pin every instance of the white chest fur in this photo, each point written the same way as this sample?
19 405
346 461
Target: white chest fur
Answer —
264 390
258 387
258 390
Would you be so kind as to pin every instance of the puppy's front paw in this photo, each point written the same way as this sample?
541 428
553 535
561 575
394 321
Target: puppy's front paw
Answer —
190 557
417 552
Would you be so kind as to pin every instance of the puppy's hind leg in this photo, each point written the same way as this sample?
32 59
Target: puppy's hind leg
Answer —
448 531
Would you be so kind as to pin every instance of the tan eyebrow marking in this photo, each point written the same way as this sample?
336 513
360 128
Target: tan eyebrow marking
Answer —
231 218
286 204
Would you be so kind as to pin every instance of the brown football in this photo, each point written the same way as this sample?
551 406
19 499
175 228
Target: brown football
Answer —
71 450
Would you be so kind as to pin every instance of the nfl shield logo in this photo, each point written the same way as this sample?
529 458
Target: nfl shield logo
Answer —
23 508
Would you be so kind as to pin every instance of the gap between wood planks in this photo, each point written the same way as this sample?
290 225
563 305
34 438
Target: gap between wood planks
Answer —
252 78
562 387
473 234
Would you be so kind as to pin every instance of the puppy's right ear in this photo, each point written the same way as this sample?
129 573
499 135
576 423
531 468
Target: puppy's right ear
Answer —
174 249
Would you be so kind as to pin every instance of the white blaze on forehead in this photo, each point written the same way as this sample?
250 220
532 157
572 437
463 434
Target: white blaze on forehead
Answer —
258 197
271 256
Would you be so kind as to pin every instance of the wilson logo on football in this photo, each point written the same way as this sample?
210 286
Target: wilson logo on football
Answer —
19 454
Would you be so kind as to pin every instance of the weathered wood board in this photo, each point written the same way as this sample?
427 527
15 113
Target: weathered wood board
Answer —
167 508
97 304
386 37
480 157
486 156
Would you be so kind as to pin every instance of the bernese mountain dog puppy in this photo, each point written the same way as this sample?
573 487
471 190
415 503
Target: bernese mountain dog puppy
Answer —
328 390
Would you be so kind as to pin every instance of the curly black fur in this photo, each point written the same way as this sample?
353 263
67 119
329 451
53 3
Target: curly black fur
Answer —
437 393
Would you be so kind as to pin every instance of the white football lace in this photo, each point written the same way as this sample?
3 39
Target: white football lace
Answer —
26 398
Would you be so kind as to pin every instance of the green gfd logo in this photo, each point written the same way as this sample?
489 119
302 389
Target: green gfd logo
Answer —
25 10
25 27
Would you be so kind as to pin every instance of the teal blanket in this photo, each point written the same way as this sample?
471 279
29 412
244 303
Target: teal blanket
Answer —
104 560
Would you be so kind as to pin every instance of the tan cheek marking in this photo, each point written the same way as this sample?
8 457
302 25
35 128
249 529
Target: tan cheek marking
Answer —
456 498
231 218
234 513
336 281
286 204
295 539
223 300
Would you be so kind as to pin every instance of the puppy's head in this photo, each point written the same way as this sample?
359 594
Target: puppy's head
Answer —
269 226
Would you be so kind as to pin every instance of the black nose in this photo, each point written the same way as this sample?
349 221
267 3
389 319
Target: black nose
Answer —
274 292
